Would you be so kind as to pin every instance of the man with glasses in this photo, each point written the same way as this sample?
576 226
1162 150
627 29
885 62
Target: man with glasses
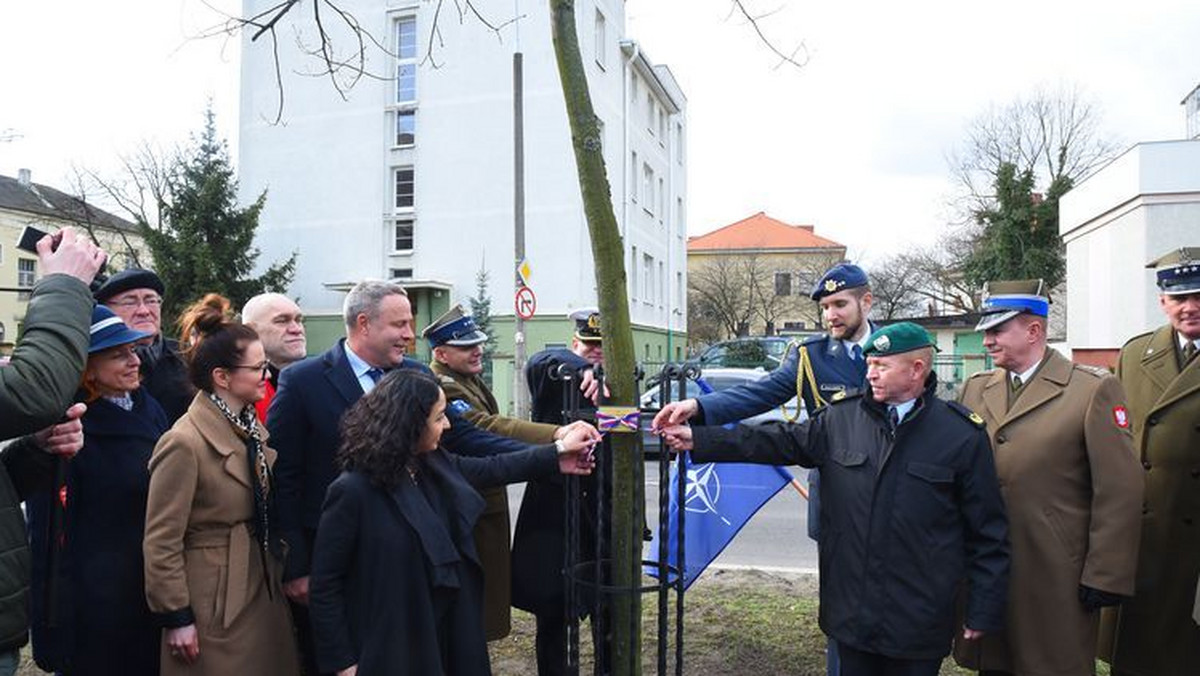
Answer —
280 325
135 295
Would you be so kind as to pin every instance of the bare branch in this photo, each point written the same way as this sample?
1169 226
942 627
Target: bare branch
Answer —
798 57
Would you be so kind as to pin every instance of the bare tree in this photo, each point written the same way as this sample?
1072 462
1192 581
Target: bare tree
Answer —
895 286
1052 133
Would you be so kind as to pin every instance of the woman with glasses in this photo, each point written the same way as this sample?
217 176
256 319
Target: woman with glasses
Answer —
89 606
212 558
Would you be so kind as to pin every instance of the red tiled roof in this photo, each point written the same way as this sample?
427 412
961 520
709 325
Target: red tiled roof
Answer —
760 231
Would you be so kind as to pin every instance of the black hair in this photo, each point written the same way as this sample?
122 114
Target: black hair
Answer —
380 433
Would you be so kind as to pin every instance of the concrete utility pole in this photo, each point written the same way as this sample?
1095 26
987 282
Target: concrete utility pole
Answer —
520 392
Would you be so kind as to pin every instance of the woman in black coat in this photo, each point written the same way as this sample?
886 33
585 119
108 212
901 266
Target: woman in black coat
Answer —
396 586
99 623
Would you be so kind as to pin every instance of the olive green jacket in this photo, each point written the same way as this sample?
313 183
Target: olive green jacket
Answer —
36 387
479 406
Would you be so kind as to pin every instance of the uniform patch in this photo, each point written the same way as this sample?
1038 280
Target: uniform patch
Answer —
459 406
976 419
1121 416
839 395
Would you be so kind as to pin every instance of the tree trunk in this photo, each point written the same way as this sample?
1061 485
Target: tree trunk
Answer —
609 254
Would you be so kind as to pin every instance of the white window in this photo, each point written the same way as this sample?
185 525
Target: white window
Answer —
680 220
648 189
647 279
633 177
650 112
679 142
26 276
633 89
402 230
679 299
662 200
601 39
406 60
405 189
662 284
406 127
633 272
662 126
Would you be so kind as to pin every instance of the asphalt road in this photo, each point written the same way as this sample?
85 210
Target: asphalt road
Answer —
775 539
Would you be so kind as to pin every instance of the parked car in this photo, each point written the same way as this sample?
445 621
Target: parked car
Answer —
718 379
766 352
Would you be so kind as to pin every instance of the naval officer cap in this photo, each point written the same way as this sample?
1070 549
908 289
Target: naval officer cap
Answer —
1178 271
455 327
897 338
1004 300
587 324
839 278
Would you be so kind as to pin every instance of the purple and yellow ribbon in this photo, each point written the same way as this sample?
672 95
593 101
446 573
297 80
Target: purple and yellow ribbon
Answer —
618 419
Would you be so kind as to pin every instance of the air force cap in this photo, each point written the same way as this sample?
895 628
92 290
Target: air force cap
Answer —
455 327
839 278
1004 300
1178 271
587 324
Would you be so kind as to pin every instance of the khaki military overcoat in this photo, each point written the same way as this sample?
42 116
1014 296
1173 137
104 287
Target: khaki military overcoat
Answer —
1155 634
1073 491
492 530
201 558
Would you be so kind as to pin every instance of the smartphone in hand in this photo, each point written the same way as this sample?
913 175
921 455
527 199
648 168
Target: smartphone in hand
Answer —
30 236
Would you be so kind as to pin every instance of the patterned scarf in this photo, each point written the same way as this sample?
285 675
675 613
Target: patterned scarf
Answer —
247 422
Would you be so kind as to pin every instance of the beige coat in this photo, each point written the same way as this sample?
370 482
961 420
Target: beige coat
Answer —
492 530
200 554
1073 491
1157 636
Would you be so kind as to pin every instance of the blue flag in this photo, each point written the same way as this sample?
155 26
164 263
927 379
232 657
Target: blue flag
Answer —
719 500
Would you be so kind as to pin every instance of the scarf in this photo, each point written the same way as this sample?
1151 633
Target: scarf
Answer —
247 423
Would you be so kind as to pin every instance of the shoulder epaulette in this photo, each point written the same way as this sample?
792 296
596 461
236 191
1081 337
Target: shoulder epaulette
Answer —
982 374
814 339
845 395
1098 371
1139 336
975 418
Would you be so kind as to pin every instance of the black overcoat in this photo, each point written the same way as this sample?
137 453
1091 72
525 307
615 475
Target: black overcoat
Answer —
104 625
396 586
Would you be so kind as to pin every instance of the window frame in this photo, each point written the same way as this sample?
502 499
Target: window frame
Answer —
402 61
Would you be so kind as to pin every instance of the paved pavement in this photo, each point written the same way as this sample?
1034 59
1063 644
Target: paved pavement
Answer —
775 539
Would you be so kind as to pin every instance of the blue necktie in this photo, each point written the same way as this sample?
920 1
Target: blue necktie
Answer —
894 416
375 374
856 352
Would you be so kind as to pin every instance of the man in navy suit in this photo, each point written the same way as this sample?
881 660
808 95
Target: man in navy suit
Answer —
820 368
305 416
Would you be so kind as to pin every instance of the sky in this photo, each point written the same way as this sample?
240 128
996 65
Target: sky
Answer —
855 142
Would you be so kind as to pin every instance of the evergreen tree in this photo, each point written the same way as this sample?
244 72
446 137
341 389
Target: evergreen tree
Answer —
203 242
1019 237
481 310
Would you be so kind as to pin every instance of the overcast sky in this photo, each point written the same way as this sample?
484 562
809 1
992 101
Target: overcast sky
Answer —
854 143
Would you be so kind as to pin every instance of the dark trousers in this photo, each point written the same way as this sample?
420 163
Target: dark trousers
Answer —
304 639
550 646
859 663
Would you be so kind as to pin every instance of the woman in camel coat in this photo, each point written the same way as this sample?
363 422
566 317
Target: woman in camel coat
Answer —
212 568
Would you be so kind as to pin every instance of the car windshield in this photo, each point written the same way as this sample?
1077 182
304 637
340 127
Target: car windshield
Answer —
716 382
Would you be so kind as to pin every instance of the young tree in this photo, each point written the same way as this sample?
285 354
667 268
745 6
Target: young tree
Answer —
481 310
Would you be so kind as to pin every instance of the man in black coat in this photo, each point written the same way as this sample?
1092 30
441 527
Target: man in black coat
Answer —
912 507
305 416
539 549
136 296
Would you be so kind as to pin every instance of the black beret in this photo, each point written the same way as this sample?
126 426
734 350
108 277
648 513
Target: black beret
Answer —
133 278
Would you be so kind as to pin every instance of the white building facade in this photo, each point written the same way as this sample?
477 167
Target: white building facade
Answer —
411 177
1140 206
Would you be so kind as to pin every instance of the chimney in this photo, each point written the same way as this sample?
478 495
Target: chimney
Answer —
24 177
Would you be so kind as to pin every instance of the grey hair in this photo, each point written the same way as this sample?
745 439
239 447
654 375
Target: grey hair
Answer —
365 297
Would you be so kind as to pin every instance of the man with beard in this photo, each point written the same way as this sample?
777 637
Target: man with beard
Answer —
1156 633
280 326
816 371
136 296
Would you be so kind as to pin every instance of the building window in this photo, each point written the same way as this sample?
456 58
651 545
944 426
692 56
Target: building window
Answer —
662 125
648 279
406 60
633 271
650 112
406 127
783 283
679 298
648 189
633 89
601 38
26 276
662 200
1 253
681 221
403 230
633 177
401 273
2 333
404 188
793 326
679 142
662 284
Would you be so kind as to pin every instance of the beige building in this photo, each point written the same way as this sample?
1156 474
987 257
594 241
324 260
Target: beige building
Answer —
754 277
25 203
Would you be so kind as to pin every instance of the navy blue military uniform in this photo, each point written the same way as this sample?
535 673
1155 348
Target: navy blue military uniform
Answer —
908 514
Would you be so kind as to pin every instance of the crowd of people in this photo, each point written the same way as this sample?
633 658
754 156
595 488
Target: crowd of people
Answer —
223 503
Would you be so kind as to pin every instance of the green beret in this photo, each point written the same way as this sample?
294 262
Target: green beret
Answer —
897 338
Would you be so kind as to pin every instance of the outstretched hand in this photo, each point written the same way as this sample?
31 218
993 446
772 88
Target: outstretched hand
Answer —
576 454
675 413
678 437
64 438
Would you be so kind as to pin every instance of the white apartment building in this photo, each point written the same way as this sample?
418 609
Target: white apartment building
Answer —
411 176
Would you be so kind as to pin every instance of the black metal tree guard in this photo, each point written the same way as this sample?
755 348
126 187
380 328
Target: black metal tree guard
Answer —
587 579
